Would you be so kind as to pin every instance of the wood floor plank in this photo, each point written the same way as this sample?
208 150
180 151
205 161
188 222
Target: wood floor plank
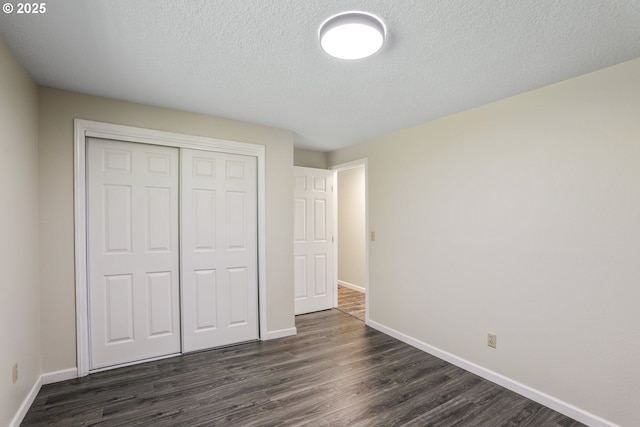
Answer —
351 302
335 372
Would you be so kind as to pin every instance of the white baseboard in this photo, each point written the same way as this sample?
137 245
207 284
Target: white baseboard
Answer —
280 333
57 376
48 378
26 404
352 286
515 386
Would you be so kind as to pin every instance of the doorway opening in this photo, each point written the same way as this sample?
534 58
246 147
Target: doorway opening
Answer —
352 243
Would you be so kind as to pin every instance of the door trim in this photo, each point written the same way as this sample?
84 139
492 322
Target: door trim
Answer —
338 168
88 128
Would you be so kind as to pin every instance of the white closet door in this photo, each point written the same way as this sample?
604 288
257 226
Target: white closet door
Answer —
133 251
313 253
219 249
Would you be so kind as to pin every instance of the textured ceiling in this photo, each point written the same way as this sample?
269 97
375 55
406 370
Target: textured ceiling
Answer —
260 61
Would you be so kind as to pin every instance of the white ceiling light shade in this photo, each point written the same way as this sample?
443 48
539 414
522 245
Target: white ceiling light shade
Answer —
352 35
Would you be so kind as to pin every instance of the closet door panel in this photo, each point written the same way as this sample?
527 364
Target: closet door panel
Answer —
133 286
219 249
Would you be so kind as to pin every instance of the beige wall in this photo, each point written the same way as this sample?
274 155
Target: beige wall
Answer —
351 227
310 158
521 218
19 295
56 113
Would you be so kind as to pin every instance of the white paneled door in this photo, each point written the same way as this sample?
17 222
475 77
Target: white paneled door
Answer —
219 244
133 251
172 250
313 240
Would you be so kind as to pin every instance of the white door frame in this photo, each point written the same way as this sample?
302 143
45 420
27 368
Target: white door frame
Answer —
87 128
338 168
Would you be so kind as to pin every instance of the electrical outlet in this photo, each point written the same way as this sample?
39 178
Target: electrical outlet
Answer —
492 340
15 372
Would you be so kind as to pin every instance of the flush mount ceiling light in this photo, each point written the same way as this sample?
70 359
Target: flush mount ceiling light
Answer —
352 35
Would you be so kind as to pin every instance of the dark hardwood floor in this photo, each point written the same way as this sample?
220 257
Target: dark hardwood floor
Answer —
351 302
335 372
